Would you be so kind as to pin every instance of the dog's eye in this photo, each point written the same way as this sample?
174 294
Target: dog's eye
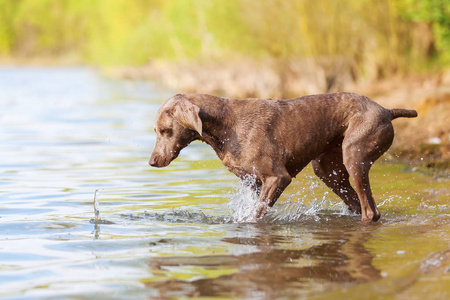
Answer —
165 131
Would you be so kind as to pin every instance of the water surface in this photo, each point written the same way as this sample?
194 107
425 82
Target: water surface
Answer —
180 231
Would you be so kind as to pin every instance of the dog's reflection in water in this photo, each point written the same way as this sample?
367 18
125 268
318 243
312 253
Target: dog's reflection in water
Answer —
274 268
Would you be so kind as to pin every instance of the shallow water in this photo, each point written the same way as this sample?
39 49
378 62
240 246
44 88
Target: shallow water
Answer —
180 231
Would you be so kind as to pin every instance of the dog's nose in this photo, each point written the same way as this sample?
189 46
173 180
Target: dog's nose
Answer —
152 162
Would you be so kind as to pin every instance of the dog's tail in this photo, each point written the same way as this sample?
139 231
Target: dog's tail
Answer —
403 113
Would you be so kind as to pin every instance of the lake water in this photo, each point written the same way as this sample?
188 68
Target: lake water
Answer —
180 232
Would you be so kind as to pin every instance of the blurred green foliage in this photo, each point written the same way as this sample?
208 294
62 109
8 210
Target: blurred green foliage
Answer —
436 14
387 34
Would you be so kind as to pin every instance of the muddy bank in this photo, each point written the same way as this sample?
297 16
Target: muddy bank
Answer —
243 78
425 140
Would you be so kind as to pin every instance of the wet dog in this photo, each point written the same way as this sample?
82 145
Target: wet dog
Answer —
342 134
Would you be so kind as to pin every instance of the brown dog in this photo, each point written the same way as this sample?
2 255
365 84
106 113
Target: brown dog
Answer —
273 140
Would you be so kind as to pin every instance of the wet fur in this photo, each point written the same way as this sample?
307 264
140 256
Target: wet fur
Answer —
342 134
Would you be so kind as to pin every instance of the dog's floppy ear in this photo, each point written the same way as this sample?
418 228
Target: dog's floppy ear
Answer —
187 114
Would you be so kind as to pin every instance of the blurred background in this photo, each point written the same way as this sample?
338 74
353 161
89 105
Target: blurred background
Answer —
80 85
345 41
395 51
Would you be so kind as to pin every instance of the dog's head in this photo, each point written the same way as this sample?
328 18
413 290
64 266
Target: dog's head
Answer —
177 124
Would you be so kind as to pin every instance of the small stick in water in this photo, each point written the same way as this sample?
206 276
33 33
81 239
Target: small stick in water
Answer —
96 210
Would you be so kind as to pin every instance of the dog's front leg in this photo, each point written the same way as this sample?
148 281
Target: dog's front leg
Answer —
272 188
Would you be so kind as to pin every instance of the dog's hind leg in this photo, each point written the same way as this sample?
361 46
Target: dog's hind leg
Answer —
360 177
360 149
329 167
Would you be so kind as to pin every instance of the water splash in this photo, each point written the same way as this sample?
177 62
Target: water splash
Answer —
310 204
388 200
97 219
178 216
244 201
303 205
96 208
300 207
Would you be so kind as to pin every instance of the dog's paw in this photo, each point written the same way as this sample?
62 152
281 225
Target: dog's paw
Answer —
369 217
